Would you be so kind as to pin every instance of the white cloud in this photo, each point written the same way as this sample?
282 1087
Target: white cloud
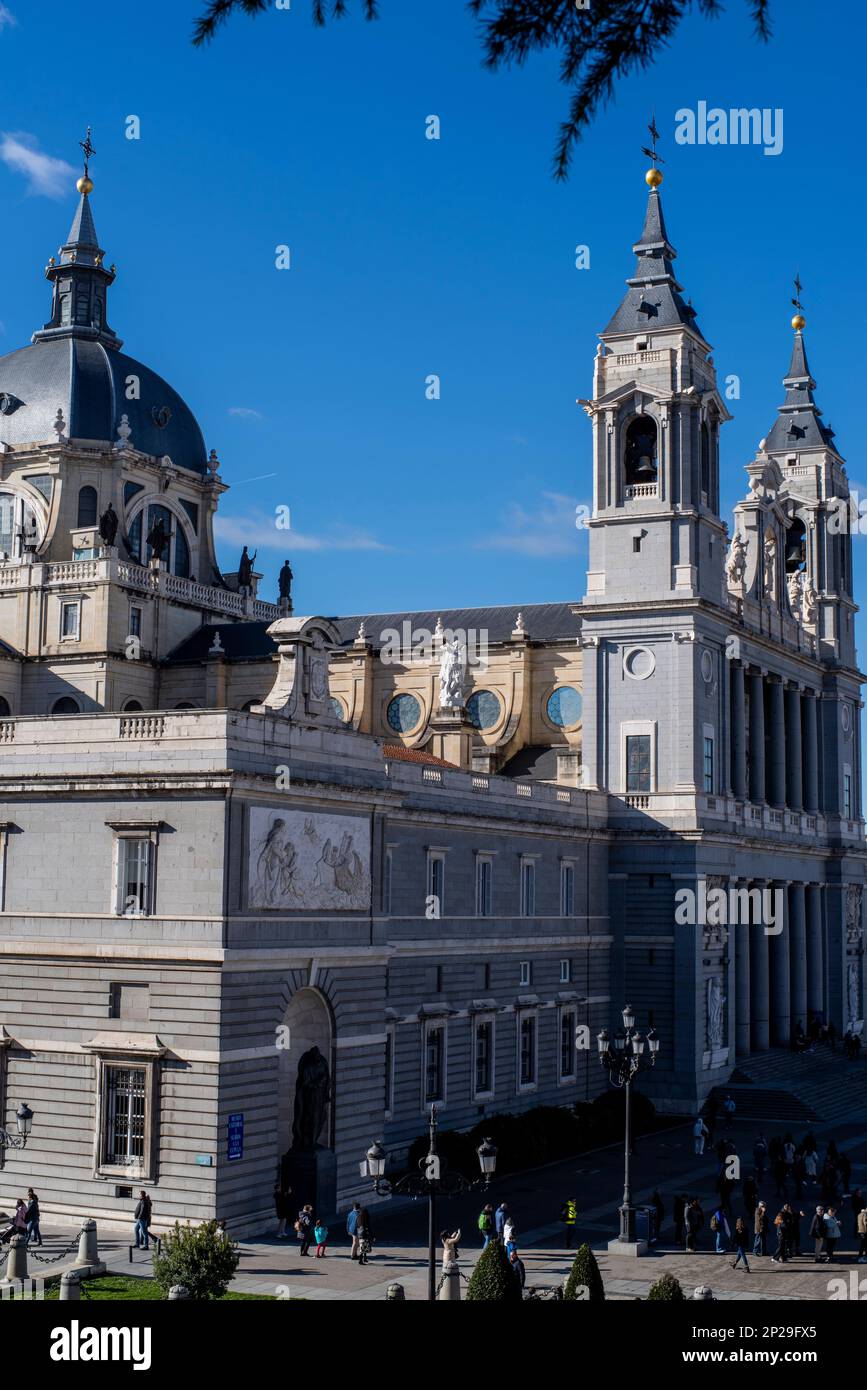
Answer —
547 529
259 529
7 18
46 175
244 412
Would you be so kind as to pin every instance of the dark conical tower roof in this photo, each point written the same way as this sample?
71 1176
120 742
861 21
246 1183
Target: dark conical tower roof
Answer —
799 424
654 299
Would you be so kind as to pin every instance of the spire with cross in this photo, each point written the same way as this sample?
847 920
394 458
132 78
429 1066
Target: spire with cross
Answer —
654 138
87 146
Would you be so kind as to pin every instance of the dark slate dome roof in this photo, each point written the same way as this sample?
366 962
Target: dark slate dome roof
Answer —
87 381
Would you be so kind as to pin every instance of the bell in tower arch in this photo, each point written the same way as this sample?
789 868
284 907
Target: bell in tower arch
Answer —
640 457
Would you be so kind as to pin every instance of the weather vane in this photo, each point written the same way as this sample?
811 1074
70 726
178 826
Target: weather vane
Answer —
798 287
88 151
654 136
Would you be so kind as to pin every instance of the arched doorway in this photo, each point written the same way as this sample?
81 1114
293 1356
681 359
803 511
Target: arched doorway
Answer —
308 1019
307 1162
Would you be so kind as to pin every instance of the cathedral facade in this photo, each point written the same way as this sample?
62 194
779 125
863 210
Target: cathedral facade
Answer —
233 839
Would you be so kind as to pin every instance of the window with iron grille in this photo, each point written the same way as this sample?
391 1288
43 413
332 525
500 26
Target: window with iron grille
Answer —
436 877
527 1071
567 890
434 1053
124 1138
568 1059
484 1047
528 888
708 764
484 879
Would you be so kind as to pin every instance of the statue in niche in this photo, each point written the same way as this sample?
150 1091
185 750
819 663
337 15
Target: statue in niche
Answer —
715 1007
157 539
453 674
312 1094
736 564
809 602
794 587
770 566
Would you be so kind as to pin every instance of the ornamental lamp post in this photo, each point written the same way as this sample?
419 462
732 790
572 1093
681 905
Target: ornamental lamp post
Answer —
622 1062
432 1180
23 1123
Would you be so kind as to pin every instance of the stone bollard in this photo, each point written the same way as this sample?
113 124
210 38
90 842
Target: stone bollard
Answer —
178 1291
70 1285
88 1251
450 1288
395 1293
16 1265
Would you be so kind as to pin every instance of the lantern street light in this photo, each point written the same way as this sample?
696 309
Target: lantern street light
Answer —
24 1123
433 1179
622 1061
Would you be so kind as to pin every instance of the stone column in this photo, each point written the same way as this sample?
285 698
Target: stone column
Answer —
759 974
815 951
781 1016
740 932
738 733
811 752
798 955
757 737
777 768
794 750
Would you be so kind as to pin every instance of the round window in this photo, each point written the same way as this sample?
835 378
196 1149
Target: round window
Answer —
639 663
403 713
483 709
337 709
564 706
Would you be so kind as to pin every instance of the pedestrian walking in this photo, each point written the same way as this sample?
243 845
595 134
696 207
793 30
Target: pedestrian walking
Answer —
510 1231
817 1235
742 1237
729 1109
700 1134
760 1230
365 1236
142 1219
34 1235
569 1216
833 1232
862 1236
780 1228
516 1264
486 1224
694 1223
501 1215
18 1226
320 1231
352 1229
720 1226
304 1228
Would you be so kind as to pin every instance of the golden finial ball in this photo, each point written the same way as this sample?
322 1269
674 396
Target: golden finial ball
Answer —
85 185
799 322
653 178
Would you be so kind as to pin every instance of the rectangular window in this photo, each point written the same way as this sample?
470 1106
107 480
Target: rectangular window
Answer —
134 621
70 614
528 888
124 1131
134 875
386 884
638 763
565 972
708 764
847 795
434 1056
567 890
130 1001
389 1070
527 1058
484 880
568 1059
526 974
484 1058
436 878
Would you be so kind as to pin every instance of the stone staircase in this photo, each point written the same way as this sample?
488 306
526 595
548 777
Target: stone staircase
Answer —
820 1086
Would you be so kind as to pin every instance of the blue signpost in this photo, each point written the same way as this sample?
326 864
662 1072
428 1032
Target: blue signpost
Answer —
235 1137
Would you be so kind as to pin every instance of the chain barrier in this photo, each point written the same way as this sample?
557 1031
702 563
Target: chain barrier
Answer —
54 1259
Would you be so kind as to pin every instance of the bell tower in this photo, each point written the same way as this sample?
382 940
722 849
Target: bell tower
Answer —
656 413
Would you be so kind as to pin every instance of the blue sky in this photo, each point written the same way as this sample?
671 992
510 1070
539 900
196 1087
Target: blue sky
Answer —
411 257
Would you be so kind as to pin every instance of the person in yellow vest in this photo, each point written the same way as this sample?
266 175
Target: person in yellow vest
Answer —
569 1215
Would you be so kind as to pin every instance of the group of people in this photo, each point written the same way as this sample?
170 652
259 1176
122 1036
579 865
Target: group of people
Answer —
25 1222
310 1228
789 1165
499 1225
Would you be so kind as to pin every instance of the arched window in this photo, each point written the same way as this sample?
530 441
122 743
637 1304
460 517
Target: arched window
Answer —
705 463
796 546
5 708
131 706
186 704
640 459
182 553
65 705
86 506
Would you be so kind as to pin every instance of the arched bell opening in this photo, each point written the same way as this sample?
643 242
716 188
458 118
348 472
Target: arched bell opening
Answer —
641 460
796 546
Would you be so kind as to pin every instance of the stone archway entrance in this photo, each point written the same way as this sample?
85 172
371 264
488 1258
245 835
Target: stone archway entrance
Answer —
307 1166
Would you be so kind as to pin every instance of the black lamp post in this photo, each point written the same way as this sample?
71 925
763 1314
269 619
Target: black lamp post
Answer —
432 1180
621 1057
24 1123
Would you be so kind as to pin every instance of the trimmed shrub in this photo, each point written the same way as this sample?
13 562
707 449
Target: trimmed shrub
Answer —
585 1274
198 1257
492 1279
667 1288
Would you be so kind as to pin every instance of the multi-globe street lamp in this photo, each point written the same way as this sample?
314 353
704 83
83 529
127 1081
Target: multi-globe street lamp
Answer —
24 1123
433 1179
622 1057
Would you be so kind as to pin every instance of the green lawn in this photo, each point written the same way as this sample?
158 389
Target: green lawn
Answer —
128 1286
